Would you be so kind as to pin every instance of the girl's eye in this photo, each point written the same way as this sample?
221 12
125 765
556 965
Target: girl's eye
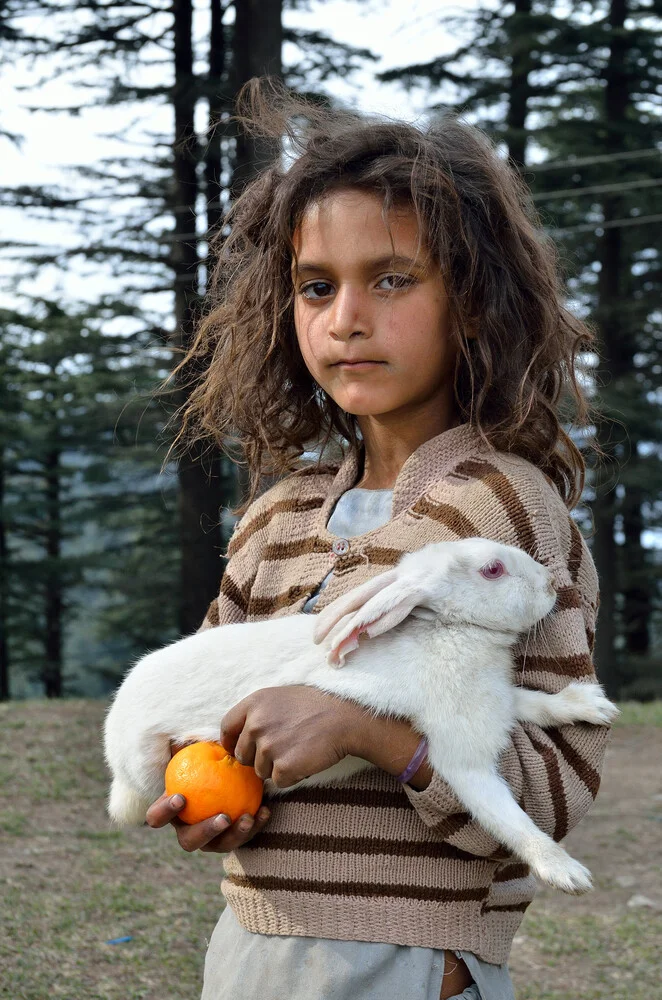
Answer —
493 570
396 281
316 290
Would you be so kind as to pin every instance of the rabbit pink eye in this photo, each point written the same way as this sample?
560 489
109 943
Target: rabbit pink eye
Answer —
493 570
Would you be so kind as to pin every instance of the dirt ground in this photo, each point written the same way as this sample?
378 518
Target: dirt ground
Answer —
609 942
70 885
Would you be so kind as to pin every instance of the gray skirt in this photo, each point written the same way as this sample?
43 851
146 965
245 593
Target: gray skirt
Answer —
274 967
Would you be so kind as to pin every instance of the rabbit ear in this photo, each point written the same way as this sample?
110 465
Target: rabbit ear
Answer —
382 612
342 606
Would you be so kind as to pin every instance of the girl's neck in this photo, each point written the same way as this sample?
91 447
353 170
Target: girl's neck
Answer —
387 446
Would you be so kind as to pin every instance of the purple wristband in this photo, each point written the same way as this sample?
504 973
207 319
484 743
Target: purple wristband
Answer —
412 767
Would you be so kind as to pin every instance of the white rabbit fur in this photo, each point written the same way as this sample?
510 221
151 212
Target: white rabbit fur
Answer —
444 663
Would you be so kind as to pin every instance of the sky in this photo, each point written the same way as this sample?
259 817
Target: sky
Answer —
53 143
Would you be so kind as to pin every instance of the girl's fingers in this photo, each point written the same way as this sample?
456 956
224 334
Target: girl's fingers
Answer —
164 810
245 750
239 833
263 764
196 836
232 725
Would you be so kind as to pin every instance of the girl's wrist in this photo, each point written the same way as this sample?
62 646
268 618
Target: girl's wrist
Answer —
390 744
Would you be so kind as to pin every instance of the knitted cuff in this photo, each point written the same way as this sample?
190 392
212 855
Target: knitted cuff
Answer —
412 767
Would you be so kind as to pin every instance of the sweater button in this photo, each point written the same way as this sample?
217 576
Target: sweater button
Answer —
340 547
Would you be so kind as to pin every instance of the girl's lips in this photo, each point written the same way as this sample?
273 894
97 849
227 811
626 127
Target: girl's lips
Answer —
354 365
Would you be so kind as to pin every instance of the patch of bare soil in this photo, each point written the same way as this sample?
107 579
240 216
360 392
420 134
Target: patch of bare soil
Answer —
607 943
70 884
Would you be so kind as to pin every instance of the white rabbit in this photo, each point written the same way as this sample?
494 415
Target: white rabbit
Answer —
458 606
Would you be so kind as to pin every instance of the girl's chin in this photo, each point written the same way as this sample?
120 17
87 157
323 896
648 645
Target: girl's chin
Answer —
365 406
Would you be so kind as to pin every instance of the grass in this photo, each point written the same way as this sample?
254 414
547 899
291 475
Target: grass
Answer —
635 713
70 883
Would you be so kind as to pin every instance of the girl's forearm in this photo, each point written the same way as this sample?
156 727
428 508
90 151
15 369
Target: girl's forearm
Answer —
390 744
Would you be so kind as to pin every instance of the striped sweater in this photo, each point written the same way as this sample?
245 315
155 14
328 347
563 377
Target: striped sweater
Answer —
367 858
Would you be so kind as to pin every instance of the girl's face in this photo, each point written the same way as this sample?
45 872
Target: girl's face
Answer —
371 312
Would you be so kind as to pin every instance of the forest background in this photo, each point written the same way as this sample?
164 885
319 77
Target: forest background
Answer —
102 553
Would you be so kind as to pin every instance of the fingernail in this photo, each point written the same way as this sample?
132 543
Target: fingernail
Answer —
263 815
221 822
177 801
245 823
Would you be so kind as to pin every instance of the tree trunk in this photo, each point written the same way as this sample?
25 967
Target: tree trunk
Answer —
199 500
519 91
256 51
616 356
637 600
52 671
215 158
4 587
257 43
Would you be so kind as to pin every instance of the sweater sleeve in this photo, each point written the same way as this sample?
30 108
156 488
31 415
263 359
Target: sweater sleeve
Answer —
242 559
554 773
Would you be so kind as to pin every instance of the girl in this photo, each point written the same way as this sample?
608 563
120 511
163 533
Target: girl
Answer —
389 291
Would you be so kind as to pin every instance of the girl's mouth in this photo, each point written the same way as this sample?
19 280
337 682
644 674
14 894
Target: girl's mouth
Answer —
357 365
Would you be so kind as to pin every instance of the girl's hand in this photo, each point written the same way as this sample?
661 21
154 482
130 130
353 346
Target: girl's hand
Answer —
289 733
215 835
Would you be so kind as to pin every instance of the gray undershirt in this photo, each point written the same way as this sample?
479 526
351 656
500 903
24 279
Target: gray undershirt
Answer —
356 512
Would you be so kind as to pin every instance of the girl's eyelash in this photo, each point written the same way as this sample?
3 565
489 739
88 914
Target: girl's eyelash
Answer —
311 284
401 281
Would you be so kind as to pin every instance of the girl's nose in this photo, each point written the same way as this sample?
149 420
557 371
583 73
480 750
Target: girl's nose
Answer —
349 315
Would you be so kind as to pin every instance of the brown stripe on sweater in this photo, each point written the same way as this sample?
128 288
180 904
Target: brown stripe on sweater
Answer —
272 883
590 639
576 550
557 791
213 616
452 824
581 767
316 470
574 665
507 496
445 513
510 872
279 551
508 907
567 598
376 555
321 795
347 563
377 798
296 505
383 556
260 606
360 845
232 591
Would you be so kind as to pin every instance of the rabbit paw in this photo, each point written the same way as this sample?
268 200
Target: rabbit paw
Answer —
587 703
558 869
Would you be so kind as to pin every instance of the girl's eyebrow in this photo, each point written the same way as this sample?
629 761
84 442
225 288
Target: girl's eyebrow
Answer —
375 264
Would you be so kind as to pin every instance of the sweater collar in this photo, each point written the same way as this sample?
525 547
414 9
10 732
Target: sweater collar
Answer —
429 463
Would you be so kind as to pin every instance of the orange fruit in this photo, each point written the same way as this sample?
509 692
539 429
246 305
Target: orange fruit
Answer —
212 781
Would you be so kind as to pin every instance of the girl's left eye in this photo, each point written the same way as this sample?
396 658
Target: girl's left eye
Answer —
396 281
493 570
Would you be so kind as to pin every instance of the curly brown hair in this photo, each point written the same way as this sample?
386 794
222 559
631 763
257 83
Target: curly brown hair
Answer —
515 377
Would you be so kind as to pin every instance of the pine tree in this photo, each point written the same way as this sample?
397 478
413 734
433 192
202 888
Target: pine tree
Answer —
577 91
185 177
82 396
